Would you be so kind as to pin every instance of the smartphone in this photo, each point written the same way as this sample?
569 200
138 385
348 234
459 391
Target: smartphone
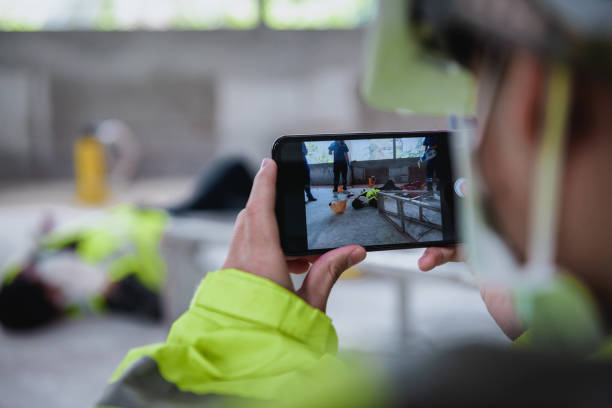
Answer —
379 190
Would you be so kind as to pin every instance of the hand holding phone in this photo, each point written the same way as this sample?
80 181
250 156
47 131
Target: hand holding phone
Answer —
255 246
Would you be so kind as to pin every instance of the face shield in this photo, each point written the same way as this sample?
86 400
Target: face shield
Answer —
400 75
403 74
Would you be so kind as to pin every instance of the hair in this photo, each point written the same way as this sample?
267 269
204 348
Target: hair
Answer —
24 304
130 296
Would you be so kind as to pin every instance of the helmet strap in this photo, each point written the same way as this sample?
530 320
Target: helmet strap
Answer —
548 174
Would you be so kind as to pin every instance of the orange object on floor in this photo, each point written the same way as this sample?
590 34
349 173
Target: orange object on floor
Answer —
370 182
338 207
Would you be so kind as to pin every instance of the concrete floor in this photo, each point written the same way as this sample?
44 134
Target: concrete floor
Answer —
67 364
326 229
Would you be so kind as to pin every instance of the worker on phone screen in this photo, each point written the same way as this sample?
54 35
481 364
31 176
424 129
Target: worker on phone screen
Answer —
307 190
341 162
537 227
430 157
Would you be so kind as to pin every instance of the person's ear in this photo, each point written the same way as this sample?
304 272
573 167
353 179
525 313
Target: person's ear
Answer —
525 88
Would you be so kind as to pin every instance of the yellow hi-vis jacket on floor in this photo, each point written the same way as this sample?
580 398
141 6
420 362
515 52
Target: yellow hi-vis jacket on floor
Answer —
243 337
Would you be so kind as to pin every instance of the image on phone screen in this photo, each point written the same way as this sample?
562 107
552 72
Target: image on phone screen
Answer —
377 190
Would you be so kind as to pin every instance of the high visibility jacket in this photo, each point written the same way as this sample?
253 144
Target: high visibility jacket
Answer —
126 240
245 340
243 336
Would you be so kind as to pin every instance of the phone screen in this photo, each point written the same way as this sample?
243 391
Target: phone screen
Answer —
378 190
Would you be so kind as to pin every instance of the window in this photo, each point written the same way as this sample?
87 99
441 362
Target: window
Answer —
37 15
374 149
317 14
409 147
368 149
318 152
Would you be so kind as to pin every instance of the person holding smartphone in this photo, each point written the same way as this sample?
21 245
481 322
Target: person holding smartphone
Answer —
249 338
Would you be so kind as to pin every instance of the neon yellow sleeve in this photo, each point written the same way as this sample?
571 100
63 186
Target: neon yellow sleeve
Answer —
243 336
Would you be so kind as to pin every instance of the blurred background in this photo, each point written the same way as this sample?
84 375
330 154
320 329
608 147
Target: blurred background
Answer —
165 90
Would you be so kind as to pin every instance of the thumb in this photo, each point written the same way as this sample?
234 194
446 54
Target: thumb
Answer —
325 272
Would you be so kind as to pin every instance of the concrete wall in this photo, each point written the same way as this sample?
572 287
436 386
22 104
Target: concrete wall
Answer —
399 170
188 96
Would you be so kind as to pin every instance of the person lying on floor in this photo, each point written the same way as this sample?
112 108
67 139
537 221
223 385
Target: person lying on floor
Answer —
112 264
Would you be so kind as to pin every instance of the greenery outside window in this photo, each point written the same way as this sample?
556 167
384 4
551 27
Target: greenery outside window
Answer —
128 15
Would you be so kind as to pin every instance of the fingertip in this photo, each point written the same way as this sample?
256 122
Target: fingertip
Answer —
267 164
425 262
267 171
263 192
349 254
357 255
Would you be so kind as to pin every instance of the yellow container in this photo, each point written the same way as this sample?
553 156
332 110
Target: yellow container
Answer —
90 170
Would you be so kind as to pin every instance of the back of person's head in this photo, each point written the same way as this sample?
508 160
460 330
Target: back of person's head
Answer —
510 153
543 142
25 304
533 139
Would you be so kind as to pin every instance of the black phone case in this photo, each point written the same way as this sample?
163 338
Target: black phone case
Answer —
283 227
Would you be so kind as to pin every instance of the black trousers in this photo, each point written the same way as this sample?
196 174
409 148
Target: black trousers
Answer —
224 185
340 169
307 180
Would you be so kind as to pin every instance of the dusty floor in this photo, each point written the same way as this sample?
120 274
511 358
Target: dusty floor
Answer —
365 226
67 365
